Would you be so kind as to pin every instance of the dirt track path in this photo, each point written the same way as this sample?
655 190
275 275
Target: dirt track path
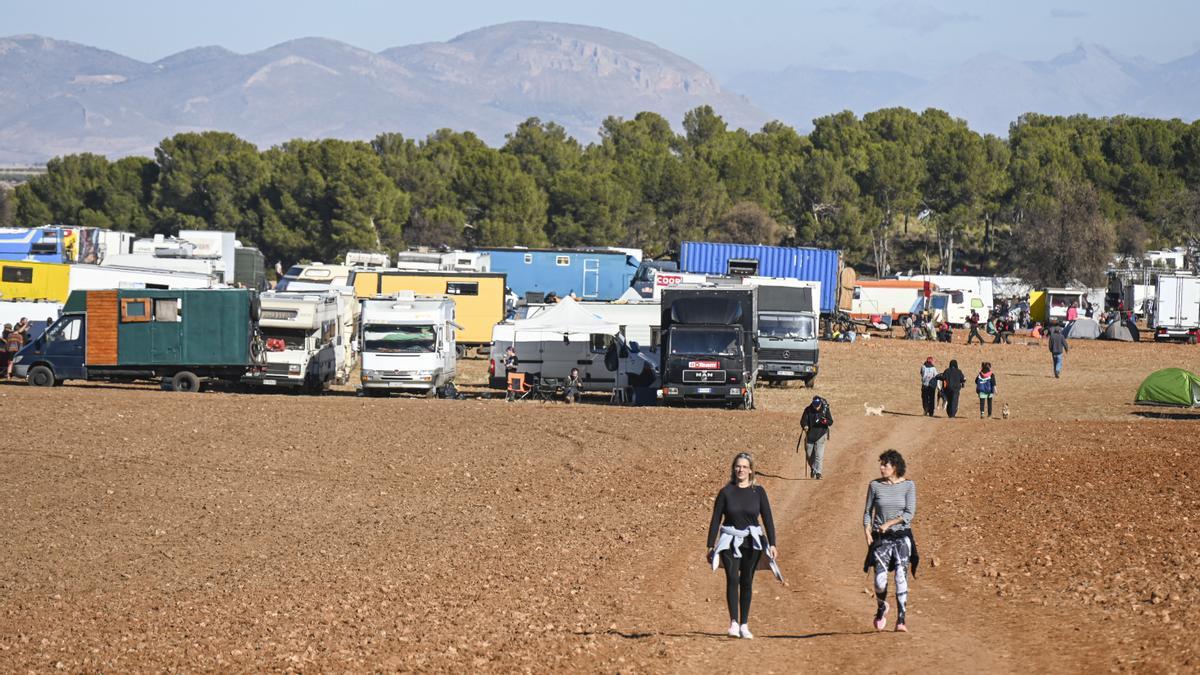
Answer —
821 619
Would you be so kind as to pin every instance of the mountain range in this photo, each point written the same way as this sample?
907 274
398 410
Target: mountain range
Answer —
59 97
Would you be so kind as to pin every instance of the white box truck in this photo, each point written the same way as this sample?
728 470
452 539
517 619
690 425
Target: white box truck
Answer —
1177 308
302 333
406 343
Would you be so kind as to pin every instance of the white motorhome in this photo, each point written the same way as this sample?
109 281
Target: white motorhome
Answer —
302 334
958 295
367 259
451 261
406 343
347 353
555 338
314 277
103 277
1177 308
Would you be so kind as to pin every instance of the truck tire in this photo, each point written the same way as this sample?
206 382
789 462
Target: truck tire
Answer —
41 376
255 308
460 351
1191 340
186 382
810 382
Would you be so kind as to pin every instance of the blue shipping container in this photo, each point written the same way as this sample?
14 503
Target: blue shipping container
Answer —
592 275
806 264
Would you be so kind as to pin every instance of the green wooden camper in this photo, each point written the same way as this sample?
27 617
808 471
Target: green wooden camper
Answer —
180 336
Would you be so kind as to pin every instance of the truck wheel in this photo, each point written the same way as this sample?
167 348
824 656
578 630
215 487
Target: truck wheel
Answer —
186 382
810 382
460 351
41 376
1191 339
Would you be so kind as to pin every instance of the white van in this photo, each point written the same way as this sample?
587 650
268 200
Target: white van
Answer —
314 277
406 343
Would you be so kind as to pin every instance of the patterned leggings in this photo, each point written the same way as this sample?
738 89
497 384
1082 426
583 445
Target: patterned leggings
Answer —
892 554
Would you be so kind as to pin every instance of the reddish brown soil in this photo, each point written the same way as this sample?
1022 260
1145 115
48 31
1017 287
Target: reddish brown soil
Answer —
151 530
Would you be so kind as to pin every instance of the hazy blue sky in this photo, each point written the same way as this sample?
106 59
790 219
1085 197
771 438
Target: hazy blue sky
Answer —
916 36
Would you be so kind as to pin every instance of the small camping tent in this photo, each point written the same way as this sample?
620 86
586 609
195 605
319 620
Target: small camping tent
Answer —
1117 331
1083 328
1170 386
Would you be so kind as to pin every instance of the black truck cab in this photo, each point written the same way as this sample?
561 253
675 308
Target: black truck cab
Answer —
708 345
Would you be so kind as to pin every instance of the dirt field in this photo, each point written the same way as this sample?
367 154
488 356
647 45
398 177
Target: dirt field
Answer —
147 530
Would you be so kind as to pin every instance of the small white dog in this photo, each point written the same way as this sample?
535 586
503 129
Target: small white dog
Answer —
873 410
1004 411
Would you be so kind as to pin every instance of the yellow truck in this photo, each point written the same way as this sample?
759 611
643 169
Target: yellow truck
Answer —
478 297
28 280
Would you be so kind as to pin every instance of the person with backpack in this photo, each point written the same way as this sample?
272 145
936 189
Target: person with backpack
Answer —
929 384
985 386
1058 347
815 423
953 381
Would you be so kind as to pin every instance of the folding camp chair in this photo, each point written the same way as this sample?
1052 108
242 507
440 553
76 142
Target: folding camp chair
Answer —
518 387
548 388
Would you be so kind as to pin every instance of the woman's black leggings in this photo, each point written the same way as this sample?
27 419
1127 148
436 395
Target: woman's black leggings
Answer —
739 581
988 405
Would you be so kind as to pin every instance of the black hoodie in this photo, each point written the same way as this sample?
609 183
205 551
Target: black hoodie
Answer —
953 377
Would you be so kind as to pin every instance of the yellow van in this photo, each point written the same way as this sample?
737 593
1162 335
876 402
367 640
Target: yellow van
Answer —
478 296
21 280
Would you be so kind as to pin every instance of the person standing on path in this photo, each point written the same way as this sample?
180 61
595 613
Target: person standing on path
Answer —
953 381
815 423
741 542
973 322
887 524
929 384
985 386
1058 347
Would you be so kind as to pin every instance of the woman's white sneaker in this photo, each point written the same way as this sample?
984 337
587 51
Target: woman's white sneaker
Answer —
733 629
744 630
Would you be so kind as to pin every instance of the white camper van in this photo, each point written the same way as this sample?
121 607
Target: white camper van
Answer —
1177 308
302 334
570 334
314 277
407 343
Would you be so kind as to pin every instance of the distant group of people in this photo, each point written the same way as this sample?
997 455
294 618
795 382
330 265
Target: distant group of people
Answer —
15 337
945 387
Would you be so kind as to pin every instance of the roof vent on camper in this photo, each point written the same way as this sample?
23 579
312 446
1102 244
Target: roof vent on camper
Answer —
405 295
742 267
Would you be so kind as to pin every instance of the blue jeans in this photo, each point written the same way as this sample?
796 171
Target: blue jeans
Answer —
1057 363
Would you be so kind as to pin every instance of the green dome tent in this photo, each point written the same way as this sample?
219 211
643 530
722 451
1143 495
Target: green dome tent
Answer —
1170 386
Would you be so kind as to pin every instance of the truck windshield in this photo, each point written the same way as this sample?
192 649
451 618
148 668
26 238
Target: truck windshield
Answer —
786 326
705 342
293 338
399 339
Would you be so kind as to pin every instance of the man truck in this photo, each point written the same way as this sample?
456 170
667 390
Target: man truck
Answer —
179 337
708 344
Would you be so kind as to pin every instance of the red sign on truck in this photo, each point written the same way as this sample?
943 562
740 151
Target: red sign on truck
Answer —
704 365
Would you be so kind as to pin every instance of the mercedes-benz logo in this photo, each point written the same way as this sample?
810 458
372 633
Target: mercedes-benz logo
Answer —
787 354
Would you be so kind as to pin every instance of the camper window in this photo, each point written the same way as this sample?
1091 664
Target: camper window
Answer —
18 275
858 292
562 260
135 310
600 342
462 288
167 309
293 338
956 297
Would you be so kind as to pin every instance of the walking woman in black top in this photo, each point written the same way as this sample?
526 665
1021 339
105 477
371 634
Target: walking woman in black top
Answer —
736 540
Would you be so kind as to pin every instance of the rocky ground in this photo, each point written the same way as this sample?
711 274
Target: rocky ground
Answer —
147 530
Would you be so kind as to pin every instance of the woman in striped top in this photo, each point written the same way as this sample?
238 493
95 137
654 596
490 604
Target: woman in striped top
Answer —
891 505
